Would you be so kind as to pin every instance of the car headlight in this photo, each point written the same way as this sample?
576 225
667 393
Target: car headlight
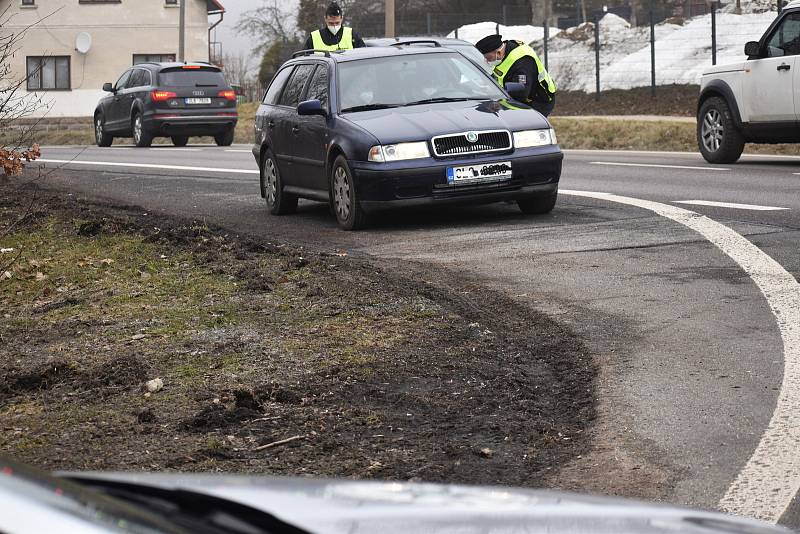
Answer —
531 138
400 151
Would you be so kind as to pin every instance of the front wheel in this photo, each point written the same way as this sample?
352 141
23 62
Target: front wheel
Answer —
278 202
717 136
101 137
225 138
141 137
538 205
344 198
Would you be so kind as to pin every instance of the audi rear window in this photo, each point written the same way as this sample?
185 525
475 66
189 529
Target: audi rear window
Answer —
191 78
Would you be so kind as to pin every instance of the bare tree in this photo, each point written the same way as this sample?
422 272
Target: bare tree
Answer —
16 147
236 68
269 23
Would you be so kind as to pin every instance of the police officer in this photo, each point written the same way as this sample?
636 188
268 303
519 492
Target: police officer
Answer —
333 36
514 61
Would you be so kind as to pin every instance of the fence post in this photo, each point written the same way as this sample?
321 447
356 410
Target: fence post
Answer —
546 38
428 17
714 32
652 51
597 56
505 16
497 28
780 5
456 32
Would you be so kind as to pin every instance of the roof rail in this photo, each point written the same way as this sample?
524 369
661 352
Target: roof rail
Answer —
436 44
203 62
309 52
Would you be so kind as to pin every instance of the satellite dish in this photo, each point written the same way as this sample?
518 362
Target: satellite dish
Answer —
83 42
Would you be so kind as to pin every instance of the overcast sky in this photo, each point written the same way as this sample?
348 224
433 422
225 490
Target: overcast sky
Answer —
226 32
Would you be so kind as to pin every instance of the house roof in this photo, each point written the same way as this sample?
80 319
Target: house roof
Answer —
214 6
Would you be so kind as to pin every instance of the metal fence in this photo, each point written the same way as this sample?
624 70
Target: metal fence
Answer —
607 51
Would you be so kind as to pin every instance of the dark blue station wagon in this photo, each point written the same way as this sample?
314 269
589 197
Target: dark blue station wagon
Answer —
377 128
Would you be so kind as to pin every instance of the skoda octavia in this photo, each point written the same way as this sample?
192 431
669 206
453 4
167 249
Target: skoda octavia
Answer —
387 127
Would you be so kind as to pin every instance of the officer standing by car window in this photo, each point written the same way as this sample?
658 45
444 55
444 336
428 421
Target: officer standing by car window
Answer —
514 61
334 36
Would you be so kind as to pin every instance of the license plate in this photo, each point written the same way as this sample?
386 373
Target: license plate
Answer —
485 172
198 101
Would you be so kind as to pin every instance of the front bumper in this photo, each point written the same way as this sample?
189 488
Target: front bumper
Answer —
423 182
197 123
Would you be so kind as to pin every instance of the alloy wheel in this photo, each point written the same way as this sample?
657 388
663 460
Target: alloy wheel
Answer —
341 194
712 130
98 130
137 128
270 181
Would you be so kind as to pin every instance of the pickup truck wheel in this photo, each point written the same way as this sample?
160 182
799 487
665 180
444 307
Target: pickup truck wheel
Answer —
717 136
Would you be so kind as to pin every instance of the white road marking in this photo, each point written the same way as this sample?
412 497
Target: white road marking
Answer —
236 150
729 205
669 153
771 478
149 166
619 164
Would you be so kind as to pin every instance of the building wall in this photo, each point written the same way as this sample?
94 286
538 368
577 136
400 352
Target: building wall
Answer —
118 30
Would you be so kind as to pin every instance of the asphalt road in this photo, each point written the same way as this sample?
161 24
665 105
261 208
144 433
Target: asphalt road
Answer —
692 346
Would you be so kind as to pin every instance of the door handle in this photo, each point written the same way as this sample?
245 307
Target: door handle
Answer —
784 67
271 124
295 129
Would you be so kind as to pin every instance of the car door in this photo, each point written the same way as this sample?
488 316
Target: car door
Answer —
114 111
286 127
312 137
128 95
768 89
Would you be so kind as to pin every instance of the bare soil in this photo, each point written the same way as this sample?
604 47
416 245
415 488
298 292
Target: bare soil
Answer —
274 359
669 100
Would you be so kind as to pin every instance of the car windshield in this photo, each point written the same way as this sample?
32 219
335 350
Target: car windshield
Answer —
191 78
412 79
472 53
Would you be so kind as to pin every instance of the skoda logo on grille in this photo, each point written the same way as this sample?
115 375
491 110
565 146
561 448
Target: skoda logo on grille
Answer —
472 137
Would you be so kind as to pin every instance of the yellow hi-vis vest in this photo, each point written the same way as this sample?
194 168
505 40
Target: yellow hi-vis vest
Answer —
521 51
345 43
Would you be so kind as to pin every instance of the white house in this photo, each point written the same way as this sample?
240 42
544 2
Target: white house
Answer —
69 48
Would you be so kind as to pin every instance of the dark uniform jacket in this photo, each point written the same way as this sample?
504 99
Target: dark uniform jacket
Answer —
524 71
330 39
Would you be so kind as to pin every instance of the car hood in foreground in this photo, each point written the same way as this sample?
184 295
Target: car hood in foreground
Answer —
388 507
421 122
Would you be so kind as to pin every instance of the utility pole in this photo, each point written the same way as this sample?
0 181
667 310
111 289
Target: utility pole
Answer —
182 31
389 18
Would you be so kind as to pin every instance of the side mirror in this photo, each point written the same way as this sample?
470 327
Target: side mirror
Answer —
107 87
517 91
311 107
752 49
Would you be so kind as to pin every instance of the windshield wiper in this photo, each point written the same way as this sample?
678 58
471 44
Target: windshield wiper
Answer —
367 107
446 99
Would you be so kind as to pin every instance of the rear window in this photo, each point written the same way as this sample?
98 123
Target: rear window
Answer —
191 78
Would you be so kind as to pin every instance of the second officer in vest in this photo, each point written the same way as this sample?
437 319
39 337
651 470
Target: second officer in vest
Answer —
514 61
333 36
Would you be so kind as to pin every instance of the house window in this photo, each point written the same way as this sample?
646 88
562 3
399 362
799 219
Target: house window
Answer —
153 58
99 1
172 2
48 73
28 2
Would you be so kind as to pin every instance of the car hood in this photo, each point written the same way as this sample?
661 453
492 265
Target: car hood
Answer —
416 123
332 506
730 67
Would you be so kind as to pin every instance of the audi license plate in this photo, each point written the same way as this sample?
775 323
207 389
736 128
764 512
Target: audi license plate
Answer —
191 101
486 172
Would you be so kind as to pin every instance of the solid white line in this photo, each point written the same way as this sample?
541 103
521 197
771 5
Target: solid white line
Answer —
619 164
729 205
668 153
771 478
243 151
149 166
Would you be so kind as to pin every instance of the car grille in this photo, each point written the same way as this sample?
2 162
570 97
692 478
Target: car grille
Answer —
453 145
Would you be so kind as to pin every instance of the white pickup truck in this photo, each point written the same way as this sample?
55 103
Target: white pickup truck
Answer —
757 100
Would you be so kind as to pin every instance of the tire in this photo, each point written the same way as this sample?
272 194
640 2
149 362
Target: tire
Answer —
344 197
101 137
278 202
224 139
141 137
718 138
180 140
538 205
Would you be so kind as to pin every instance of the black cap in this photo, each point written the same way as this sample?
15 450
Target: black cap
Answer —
333 10
490 43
